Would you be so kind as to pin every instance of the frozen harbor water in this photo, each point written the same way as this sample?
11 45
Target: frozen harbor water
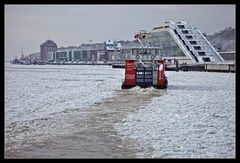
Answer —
194 119
81 111
38 96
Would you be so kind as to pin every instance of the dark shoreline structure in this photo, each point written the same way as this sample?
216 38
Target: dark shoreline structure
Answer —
196 67
109 64
228 67
204 67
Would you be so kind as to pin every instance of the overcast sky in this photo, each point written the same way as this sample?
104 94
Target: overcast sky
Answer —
28 26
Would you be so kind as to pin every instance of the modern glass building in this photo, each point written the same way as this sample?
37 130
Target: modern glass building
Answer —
167 45
181 41
75 55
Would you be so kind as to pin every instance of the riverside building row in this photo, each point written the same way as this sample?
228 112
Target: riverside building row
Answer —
109 52
177 41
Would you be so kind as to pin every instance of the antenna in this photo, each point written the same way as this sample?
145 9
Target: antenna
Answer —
21 55
21 50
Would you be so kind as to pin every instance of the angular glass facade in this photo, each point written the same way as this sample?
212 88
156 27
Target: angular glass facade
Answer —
168 46
181 40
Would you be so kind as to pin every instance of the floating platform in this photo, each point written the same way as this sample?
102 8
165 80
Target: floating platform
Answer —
118 66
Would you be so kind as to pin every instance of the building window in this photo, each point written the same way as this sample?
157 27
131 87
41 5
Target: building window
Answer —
70 55
189 37
181 26
185 32
197 47
61 55
201 54
193 42
206 59
76 56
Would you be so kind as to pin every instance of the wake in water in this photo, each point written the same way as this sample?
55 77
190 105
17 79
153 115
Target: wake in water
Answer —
86 133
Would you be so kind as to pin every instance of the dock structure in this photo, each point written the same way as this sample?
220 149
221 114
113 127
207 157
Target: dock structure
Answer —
211 67
220 67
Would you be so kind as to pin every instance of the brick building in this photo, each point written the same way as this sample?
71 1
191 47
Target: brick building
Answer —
47 46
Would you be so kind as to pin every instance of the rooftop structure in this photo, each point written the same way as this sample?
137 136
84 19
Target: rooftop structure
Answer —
111 45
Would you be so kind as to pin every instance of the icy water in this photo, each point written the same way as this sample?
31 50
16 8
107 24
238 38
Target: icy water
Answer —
60 111
194 119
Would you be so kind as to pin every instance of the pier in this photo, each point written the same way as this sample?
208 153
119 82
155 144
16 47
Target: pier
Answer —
213 67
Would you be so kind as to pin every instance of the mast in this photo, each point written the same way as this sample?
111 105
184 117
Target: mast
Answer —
22 55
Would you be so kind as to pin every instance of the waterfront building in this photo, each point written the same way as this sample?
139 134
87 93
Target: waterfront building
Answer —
101 56
109 45
112 49
87 55
181 41
47 46
229 56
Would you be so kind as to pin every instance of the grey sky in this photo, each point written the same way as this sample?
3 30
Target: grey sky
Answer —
28 26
